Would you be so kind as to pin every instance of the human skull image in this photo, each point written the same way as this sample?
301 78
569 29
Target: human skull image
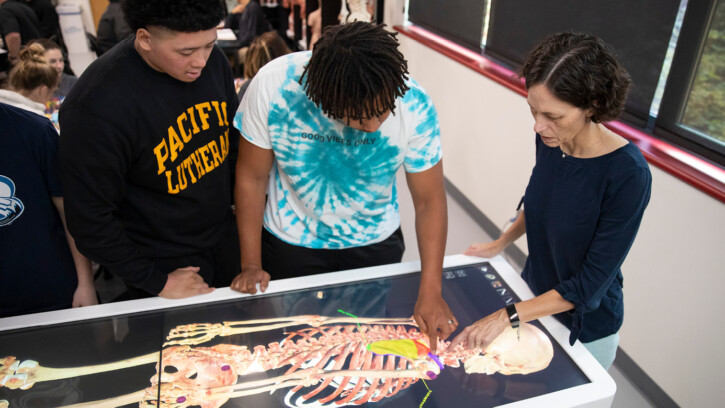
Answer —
508 354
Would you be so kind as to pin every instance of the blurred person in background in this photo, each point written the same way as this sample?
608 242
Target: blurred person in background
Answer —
32 81
263 49
47 18
54 56
18 25
112 28
248 21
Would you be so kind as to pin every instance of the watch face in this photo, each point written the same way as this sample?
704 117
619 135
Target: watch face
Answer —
513 314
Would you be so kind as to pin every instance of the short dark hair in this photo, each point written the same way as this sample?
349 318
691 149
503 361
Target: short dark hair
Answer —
356 71
582 70
176 15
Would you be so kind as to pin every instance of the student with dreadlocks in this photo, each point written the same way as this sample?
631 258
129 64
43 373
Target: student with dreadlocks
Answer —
324 133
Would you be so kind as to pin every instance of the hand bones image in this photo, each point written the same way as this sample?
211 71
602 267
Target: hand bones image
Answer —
341 360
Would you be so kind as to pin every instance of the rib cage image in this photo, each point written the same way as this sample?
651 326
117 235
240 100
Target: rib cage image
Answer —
327 363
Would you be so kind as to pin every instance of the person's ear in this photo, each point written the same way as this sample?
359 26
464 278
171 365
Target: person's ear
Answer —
143 36
589 112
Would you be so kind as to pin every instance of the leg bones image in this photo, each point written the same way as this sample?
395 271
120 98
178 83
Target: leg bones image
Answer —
328 361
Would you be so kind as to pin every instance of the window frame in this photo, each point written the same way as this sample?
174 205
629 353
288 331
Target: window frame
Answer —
679 84
691 169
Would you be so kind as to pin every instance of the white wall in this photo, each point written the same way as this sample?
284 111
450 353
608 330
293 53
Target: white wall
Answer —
675 274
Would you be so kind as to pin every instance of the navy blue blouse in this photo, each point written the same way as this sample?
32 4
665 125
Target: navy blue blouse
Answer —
581 218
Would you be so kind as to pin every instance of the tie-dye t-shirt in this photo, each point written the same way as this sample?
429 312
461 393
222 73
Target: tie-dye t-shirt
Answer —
332 186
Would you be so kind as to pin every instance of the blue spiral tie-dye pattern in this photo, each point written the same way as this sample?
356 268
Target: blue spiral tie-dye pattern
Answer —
333 186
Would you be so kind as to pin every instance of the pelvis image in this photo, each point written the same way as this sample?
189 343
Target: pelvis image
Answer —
325 361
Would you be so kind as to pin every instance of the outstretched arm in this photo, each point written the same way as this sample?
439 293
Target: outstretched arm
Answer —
431 225
484 331
493 248
253 166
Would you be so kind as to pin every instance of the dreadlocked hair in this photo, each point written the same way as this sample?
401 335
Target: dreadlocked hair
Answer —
355 71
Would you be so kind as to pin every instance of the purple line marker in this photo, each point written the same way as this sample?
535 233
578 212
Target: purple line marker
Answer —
436 359
432 375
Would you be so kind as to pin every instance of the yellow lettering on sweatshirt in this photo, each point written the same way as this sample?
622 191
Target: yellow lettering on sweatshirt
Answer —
185 133
170 160
214 149
175 144
192 119
224 112
203 109
172 189
224 143
215 104
162 153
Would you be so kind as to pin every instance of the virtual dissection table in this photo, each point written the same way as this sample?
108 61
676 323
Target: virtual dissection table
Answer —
345 338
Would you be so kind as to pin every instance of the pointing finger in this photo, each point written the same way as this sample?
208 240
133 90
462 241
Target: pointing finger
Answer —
433 338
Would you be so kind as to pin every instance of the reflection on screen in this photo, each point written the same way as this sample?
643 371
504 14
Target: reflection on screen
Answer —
289 349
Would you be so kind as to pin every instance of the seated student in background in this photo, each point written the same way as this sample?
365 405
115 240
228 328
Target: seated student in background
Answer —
49 23
584 202
41 268
248 21
54 56
112 27
263 49
32 81
324 134
18 25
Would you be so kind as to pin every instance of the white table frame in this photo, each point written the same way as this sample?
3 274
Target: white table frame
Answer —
599 393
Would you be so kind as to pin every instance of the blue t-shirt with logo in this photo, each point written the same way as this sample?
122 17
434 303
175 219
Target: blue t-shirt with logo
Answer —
332 186
36 267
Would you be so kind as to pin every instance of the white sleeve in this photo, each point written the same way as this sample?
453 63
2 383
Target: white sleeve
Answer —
252 117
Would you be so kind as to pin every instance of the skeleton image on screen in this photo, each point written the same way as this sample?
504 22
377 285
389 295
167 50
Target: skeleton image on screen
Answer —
334 361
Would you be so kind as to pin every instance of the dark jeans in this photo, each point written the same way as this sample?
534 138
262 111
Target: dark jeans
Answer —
282 260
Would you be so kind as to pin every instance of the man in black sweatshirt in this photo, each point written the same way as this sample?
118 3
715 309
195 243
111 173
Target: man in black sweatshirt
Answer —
145 153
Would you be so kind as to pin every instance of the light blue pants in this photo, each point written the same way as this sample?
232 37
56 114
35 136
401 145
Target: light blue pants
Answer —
604 349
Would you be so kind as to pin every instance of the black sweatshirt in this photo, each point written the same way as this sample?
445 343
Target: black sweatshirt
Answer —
146 162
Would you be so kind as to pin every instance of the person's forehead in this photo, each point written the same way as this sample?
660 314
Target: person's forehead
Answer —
53 53
541 96
184 37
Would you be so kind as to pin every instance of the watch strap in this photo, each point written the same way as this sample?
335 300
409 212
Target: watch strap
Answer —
514 318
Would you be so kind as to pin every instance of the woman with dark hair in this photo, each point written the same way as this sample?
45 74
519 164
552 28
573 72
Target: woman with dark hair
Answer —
584 202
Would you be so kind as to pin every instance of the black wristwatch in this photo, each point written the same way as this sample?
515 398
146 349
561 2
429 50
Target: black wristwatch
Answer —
514 319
